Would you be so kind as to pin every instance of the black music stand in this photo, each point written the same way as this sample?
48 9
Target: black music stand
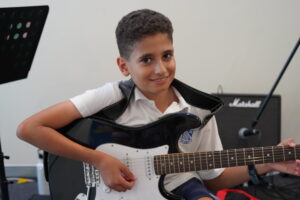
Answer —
20 32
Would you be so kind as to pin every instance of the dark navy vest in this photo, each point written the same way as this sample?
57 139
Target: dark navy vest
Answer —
191 95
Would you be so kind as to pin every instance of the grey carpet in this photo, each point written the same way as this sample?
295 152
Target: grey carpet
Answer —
25 191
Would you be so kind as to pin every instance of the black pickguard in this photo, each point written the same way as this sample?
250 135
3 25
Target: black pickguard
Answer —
66 176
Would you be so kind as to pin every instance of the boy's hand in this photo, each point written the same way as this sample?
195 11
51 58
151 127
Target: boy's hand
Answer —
290 167
115 174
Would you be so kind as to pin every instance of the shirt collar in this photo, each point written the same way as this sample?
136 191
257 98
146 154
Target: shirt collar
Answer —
138 95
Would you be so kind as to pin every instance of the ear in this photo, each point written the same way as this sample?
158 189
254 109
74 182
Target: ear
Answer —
123 66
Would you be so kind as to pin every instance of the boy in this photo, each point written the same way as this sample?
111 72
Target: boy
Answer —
145 44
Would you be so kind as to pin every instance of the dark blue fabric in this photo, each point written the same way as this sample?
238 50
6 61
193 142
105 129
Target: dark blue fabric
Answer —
193 189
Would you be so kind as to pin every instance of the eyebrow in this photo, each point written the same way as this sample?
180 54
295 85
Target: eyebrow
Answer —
151 55
146 55
169 51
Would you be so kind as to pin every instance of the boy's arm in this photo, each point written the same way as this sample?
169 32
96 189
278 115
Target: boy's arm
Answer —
40 131
237 175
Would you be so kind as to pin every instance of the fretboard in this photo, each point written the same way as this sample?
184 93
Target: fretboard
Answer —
185 162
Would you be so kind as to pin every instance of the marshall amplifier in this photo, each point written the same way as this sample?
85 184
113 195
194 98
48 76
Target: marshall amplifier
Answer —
239 111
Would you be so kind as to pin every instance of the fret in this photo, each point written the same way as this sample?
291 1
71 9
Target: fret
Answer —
209 157
263 157
188 161
171 164
160 165
165 164
193 161
227 158
258 155
207 163
236 158
232 157
244 156
203 161
156 164
217 159
268 155
176 166
181 161
273 154
248 155
290 153
177 162
240 156
224 158
283 153
213 160
278 154
221 162
253 157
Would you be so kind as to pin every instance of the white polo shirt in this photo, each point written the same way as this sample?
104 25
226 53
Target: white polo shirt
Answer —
142 111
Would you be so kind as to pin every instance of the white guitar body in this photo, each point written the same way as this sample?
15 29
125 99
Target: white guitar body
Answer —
140 162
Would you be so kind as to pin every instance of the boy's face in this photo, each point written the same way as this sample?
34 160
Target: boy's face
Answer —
151 64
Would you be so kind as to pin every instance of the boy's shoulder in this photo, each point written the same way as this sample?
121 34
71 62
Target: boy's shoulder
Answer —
198 98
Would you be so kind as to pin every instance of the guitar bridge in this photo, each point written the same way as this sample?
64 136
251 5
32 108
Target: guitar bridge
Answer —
91 175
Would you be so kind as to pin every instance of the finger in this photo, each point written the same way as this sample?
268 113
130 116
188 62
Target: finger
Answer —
289 142
123 185
127 181
128 175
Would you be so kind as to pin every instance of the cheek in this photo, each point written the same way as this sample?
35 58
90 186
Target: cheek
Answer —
141 75
172 67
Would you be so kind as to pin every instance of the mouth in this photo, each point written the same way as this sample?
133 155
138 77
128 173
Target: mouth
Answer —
160 80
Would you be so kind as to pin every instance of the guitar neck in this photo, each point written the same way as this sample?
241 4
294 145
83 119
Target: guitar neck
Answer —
185 162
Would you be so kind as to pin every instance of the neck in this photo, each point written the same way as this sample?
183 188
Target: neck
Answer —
185 162
164 99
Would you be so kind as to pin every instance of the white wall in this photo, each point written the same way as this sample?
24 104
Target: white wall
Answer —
241 45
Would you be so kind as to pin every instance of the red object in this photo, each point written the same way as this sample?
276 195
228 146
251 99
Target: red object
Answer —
221 194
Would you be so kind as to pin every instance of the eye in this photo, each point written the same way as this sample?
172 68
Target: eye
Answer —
146 60
167 56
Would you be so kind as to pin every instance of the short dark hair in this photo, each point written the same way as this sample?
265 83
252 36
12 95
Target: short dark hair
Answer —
138 24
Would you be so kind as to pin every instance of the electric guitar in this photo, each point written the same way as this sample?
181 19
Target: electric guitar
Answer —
151 152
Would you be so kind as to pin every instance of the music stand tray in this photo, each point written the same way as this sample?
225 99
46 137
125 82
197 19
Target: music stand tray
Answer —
20 31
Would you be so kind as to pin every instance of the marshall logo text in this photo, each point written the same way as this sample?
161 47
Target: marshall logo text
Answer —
245 104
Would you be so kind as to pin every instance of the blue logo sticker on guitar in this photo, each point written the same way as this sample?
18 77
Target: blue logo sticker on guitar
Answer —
186 137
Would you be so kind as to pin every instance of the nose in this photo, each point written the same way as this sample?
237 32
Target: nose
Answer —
160 67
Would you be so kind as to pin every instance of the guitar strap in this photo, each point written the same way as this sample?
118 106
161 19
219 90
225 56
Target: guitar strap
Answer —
191 95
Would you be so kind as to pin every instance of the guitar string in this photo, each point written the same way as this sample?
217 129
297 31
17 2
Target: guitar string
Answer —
187 167
198 161
238 155
175 168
